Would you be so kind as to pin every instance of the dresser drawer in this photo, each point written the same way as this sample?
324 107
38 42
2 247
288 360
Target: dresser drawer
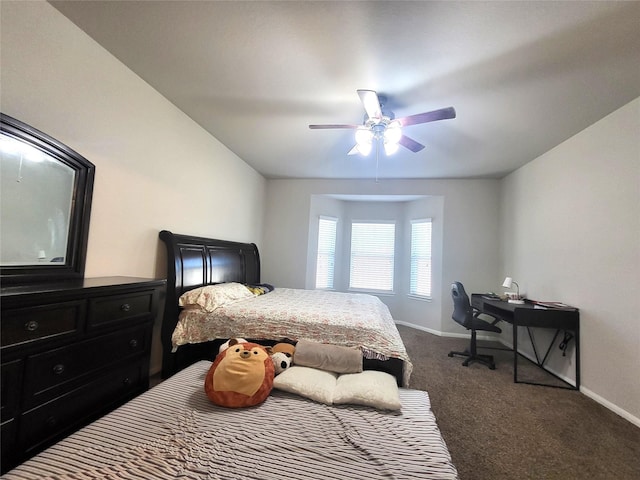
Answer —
116 308
8 441
52 373
40 425
41 322
11 379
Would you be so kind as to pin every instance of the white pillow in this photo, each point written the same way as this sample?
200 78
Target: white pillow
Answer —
211 297
318 385
370 388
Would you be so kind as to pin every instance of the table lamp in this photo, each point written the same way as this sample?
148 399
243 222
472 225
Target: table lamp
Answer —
507 284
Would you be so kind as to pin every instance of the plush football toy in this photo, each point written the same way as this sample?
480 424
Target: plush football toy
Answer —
280 362
241 376
282 356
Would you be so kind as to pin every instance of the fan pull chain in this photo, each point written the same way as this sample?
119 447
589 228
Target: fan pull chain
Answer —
377 153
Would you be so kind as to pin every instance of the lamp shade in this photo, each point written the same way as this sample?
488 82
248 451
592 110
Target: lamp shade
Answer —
507 282
364 148
393 132
363 136
390 148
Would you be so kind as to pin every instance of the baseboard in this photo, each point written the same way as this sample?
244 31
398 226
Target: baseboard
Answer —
479 336
419 327
614 408
594 396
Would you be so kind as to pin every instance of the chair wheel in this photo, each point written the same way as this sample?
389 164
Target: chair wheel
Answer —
492 367
450 354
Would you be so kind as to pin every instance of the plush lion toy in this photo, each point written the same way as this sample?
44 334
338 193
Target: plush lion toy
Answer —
241 376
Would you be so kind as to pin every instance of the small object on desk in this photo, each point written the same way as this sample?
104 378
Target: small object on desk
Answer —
513 297
553 305
491 296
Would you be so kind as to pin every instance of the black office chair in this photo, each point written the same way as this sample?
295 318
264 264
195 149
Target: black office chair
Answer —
467 316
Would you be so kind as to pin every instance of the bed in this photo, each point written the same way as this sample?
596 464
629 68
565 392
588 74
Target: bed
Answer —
344 319
173 431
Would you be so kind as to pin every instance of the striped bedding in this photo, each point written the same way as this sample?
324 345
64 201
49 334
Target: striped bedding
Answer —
174 432
349 319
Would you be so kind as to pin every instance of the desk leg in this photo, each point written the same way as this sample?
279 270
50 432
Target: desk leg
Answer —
577 338
515 352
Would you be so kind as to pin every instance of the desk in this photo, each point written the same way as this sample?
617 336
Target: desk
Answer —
527 315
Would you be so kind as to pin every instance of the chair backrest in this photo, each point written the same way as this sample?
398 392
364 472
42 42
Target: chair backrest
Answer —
462 310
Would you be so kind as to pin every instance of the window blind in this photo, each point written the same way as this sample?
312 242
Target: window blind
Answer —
420 282
372 256
325 263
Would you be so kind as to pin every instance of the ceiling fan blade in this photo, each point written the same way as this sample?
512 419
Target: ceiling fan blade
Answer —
442 114
371 103
410 143
318 127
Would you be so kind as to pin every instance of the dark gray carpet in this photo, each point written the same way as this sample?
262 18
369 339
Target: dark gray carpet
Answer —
496 429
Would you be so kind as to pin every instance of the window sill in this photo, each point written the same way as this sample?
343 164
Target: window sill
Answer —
420 298
382 293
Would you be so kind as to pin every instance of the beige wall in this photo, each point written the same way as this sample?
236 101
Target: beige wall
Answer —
570 226
155 168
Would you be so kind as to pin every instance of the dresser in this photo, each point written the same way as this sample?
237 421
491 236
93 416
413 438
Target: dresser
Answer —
71 351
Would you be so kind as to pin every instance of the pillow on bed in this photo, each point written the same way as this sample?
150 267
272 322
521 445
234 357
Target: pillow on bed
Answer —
371 388
211 297
334 358
318 385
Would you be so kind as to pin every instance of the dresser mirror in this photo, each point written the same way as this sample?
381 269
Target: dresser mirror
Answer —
45 204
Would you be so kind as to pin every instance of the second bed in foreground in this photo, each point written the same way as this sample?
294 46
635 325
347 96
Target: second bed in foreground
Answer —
174 431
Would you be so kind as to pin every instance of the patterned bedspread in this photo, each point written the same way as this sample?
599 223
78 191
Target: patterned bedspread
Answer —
173 431
349 319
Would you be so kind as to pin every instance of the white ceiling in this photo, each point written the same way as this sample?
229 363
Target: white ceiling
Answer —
522 76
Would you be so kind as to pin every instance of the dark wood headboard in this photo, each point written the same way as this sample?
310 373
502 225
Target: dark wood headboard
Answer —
193 262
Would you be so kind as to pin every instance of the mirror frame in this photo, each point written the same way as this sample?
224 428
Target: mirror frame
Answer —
73 266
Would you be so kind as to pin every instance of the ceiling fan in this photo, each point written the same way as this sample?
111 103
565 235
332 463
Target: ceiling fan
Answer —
382 126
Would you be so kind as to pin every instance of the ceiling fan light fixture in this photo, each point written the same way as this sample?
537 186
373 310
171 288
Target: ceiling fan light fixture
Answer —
363 136
393 133
390 148
364 148
381 126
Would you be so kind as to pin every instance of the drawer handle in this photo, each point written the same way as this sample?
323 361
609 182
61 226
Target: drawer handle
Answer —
133 343
125 307
126 381
31 326
51 422
58 369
